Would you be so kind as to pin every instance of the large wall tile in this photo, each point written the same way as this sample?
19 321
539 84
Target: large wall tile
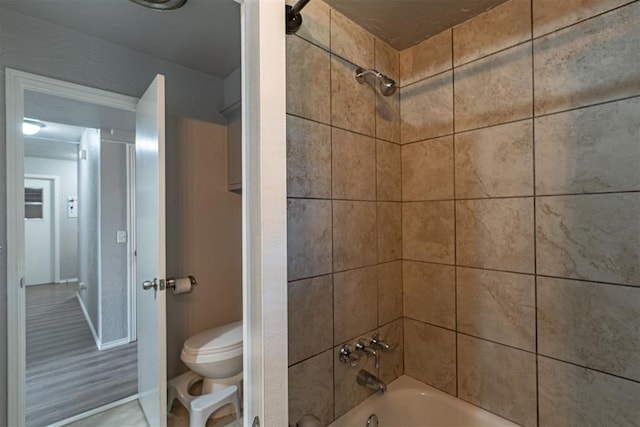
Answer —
501 27
309 98
493 90
592 237
495 162
430 355
574 396
355 303
352 103
311 388
428 231
354 234
427 170
388 117
590 324
498 378
429 57
389 291
388 177
551 15
308 158
316 23
496 234
389 231
310 312
426 108
590 62
497 306
429 293
308 238
387 62
347 392
392 361
353 161
593 149
351 41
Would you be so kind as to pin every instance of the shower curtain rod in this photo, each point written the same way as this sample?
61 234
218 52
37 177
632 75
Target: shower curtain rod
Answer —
293 16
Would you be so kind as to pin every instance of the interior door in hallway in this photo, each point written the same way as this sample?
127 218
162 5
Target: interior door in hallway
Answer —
39 231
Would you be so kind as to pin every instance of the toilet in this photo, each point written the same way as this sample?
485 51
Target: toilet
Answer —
215 357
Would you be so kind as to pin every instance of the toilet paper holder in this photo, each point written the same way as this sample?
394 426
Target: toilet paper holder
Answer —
171 282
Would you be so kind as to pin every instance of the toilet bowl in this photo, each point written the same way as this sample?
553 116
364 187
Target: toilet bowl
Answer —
215 357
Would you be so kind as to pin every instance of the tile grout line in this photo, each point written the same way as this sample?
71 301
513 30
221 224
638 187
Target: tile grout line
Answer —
375 156
455 215
401 219
333 308
535 237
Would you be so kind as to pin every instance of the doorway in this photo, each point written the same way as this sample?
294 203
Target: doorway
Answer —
76 350
40 229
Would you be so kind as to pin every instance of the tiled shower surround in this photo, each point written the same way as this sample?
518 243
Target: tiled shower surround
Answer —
487 216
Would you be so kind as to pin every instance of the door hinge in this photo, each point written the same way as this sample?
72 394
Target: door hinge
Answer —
256 422
22 282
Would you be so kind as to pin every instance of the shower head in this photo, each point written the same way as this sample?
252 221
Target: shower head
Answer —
161 4
386 85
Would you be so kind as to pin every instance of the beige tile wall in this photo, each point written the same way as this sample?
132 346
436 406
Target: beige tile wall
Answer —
344 212
520 146
485 216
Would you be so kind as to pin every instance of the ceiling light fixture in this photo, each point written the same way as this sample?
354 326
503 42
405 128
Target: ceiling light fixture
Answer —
161 4
31 127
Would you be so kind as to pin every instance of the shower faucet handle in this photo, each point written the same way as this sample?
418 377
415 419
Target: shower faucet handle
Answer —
377 342
348 356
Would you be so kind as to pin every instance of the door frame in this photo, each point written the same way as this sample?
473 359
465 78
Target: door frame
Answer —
55 219
16 83
264 212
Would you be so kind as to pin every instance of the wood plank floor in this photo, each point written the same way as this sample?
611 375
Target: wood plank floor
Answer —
66 373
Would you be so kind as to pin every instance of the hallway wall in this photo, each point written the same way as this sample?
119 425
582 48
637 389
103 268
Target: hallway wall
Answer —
68 172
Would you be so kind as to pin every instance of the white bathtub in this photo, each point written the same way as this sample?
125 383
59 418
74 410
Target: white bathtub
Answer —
410 403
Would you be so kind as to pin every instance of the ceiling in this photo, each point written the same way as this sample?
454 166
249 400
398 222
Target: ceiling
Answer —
54 141
403 23
203 35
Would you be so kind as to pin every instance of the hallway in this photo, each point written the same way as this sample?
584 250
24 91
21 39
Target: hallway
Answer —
66 373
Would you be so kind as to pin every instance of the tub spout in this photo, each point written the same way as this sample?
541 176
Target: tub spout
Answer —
369 380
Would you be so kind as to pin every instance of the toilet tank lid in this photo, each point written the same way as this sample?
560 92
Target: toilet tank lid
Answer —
219 338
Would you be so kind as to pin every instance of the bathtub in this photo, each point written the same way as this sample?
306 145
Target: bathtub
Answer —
410 403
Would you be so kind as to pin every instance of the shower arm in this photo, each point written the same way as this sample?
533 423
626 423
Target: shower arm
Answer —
361 73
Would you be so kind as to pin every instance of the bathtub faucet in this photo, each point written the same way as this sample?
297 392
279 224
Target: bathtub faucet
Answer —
364 347
369 380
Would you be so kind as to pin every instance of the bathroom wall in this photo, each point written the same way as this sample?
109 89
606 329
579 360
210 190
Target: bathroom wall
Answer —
35 46
344 225
520 207
204 238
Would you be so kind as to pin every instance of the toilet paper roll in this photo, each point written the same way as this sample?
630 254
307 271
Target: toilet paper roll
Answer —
183 286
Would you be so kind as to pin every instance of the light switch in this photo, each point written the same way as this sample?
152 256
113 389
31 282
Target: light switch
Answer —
121 236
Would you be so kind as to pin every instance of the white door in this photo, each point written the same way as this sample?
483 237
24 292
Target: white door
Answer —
38 231
150 260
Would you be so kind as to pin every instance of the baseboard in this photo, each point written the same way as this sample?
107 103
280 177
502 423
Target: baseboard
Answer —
89 322
94 411
116 343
